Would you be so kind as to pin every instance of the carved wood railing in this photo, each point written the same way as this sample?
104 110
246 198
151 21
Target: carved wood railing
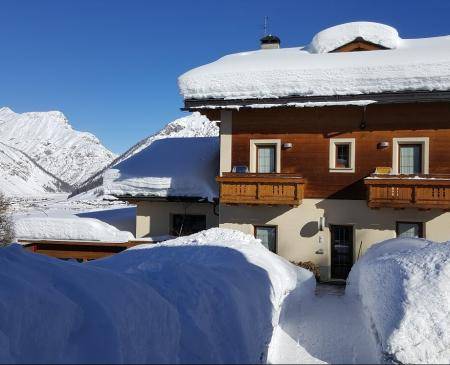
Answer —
268 189
404 191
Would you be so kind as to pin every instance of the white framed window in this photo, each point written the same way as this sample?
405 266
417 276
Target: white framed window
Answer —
342 155
265 155
410 156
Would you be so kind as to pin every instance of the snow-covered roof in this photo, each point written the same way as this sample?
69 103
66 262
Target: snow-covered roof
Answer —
171 167
408 65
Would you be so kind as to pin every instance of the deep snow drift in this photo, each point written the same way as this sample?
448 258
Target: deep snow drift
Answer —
404 286
411 65
177 167
211 297
43 150
69 228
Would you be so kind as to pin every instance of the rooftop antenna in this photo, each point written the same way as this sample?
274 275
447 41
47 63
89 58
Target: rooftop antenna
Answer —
266 25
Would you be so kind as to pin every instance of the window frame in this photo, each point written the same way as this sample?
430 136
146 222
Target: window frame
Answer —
420 224
254 143
256 226
425 158
334 142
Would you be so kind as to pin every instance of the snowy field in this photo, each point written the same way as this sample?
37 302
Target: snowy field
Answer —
220 297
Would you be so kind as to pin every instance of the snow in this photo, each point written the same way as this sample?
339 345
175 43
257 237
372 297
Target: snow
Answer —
334 37
404 288
192 125
209 298
69 228
414 65
177 167
41 153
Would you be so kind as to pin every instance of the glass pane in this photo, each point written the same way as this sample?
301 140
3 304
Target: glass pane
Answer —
408 230
342 155
266 159
267 235
410 159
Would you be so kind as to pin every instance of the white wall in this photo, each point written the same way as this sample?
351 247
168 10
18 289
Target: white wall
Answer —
300 240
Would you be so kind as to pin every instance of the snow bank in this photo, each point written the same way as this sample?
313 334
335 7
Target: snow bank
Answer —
404 285
213 297
334 37
413 65
70 228
177 167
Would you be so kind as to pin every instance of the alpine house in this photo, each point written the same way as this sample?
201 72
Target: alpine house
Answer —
328 148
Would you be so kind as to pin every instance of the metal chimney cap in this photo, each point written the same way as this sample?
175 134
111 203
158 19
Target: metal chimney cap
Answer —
270 39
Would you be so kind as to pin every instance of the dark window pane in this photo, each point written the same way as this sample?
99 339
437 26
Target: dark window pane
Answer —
409 230
183 225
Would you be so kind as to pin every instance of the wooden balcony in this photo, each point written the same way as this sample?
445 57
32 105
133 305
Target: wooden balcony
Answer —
403 191
261 189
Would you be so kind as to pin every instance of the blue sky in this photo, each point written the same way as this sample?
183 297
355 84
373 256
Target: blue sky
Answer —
112 66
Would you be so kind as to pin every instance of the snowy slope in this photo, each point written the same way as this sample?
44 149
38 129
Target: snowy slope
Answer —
48 141
193 125
421 64
20 175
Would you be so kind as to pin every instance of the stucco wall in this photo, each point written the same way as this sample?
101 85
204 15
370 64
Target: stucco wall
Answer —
298 235
154 218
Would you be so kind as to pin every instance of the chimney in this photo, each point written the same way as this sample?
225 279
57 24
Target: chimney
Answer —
270 42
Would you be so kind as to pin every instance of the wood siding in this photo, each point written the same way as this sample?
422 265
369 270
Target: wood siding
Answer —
310 130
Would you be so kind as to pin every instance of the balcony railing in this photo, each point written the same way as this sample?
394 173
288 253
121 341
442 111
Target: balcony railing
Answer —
268 189
404 191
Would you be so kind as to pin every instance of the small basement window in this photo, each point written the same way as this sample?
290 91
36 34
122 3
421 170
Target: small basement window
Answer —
342 155
268 236
186 224
409 229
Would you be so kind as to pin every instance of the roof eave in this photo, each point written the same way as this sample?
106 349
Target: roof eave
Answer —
380 98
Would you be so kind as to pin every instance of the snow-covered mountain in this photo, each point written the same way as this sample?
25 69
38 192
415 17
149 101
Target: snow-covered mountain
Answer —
193 125
40 152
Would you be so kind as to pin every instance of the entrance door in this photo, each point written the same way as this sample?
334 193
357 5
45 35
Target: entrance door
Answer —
341 251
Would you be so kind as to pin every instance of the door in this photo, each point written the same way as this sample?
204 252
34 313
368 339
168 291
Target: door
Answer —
341 251
410 159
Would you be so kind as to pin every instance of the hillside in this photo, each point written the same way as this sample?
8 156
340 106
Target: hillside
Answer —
41 152
193 125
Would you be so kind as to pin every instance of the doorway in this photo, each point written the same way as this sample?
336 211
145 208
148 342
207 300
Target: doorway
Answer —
341 251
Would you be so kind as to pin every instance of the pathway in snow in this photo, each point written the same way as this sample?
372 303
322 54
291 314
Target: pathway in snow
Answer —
327 328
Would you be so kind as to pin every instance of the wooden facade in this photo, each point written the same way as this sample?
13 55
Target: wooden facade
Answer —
256 189
310 130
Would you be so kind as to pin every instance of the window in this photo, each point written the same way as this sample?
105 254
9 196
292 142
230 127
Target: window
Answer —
410 229
410 156
265 159
410 159
184 224
342 155
265 156
268 236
